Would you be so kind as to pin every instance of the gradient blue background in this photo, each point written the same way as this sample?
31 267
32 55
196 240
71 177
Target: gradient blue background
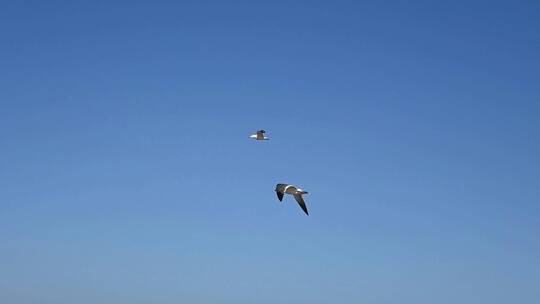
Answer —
127 174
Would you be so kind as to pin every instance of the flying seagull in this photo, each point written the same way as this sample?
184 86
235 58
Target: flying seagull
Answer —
260 135
281 189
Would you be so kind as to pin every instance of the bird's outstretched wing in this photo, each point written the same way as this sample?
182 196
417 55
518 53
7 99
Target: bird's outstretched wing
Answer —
279 195
260 135
301 202
280 191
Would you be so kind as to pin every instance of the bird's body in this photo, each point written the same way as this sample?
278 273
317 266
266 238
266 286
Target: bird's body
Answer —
260 135
282 189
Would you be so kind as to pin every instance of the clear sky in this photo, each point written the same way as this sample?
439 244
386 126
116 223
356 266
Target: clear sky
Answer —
127 174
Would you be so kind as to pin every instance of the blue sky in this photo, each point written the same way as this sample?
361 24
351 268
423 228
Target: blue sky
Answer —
127 174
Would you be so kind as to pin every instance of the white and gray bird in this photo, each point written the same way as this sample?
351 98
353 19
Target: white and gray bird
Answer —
282 189
260 135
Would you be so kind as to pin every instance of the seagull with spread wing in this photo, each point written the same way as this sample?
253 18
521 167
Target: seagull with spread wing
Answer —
260 135
282 189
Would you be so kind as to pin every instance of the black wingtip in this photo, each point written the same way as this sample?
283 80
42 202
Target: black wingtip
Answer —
279 195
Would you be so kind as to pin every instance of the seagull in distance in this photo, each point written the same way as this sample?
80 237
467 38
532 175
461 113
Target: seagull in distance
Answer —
260 135
282 189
